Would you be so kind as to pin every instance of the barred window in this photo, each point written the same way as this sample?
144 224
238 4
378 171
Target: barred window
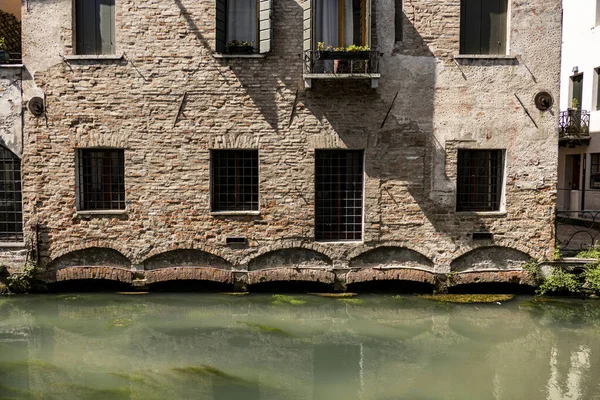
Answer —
234 180
339 195
101 179
595 171
11 215
480 180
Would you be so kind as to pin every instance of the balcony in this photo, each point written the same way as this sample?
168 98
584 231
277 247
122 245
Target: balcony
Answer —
574 128
341 65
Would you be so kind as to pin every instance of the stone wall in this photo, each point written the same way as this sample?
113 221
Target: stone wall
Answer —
442 104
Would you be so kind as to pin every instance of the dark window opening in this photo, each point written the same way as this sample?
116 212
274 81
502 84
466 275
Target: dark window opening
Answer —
95 26
597 87
234 180
341 23
480 179
339 195
576 91
483 26
398 15
101 179
595 171
11 215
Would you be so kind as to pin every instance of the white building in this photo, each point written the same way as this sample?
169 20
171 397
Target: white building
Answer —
579 155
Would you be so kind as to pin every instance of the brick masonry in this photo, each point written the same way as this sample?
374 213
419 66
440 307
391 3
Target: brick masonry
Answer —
167 49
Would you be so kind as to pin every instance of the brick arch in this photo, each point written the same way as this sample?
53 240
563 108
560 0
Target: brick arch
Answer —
146 255
186 258
421 250
90 257
92 244
291 257
391 274
389 256
189 273
291 275
490 258
316 247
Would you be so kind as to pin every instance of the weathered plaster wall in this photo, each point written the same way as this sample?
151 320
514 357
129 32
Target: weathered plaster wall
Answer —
11 127
410 163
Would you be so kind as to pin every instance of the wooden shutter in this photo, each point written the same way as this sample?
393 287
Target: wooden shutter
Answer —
577 90
368 23
106 40
220 25
265 26
308 7
470 27
496 15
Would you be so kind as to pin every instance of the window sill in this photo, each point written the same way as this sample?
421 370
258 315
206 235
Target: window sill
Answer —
219 55
101 212
233 213
484 57
14 66
94 57
12 245
498 214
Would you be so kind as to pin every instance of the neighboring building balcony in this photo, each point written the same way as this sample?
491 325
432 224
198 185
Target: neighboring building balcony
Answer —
341 65
574 128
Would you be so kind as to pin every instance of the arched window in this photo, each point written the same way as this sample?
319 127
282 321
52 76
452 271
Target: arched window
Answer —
11 214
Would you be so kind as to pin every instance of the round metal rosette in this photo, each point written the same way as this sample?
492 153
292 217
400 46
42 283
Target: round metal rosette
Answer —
36 106
543 101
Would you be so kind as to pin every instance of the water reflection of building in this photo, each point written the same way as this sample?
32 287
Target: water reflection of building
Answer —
253 350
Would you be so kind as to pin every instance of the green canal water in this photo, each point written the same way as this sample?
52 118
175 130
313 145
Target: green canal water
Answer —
216 346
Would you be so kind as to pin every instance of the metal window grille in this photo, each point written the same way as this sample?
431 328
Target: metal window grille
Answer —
101 179
234 180
11 211
480 177
595 171
339 195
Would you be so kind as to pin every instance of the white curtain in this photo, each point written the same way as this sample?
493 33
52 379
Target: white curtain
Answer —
241 20
327 22
348 23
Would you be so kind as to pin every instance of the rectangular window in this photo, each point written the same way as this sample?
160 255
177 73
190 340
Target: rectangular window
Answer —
243 26
241 21
596 99
95 26
339 195
234 180
11 215
483 26
595 171
101 179
480 180
398 20
341 23
576 91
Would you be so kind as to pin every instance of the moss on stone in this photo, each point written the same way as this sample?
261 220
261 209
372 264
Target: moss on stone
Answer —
335 295
283 299
468 298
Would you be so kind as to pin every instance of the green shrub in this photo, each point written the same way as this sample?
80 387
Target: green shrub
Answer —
26 281
592 252
532 267
592 277
559 282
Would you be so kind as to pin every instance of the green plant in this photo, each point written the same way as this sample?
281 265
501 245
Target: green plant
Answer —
354 47
592 252
532 267
26 281
592 277
557 255
236 43
575 104
559 281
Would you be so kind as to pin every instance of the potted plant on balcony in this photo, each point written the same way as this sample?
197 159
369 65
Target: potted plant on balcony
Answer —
4 58
239 47
352 52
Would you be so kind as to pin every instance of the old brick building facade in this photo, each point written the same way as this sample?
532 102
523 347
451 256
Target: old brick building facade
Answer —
168 101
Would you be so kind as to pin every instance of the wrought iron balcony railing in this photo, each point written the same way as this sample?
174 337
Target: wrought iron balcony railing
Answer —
574 124
341 65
